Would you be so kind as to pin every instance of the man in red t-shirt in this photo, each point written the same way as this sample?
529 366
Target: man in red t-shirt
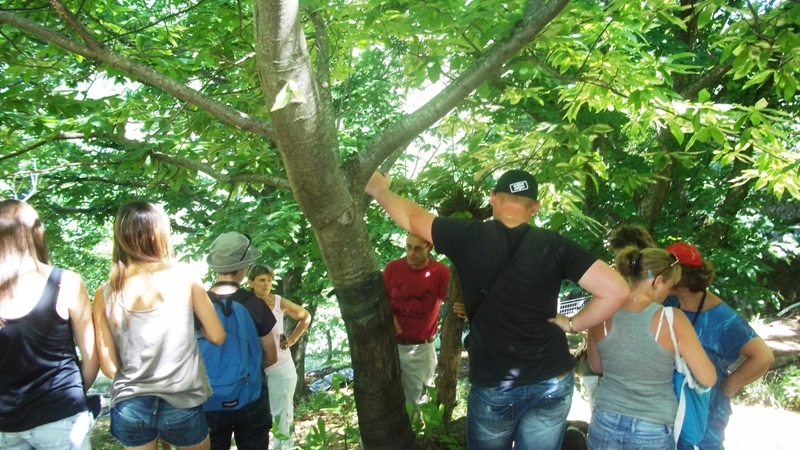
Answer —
417 286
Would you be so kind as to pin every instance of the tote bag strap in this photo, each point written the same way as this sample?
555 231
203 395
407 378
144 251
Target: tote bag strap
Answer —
679 364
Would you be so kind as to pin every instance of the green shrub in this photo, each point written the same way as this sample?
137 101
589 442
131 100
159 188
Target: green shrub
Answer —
778 388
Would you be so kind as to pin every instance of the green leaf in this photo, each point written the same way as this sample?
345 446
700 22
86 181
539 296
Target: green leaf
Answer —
683 55
759 78
290 92
675 129
761 104
702 135
705 16
673 20
703 96
789 86
717 135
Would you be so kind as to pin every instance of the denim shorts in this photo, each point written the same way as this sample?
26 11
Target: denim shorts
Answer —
616 431
532 416
140 420
71 433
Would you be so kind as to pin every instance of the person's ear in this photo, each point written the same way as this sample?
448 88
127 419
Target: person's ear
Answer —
535 207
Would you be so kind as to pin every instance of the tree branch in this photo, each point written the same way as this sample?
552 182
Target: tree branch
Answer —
706 79
552 73
159 20
24 150
65 14
146 75
179 161
219 176
205 168
538 13
63 180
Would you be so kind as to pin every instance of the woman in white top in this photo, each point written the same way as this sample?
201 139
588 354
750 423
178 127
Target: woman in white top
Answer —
281 376
145 319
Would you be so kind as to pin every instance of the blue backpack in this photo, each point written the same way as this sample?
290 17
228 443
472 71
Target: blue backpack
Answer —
234 368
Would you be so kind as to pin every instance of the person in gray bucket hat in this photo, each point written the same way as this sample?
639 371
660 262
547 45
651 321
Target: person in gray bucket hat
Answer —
231 252
230 255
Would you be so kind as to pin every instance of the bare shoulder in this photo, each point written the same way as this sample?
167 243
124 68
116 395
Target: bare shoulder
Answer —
72 280
72 296
180 267
72 286
182 272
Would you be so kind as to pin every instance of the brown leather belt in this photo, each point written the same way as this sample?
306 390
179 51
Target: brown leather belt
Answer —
404 341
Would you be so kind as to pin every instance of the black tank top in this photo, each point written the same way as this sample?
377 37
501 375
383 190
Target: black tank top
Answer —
40 377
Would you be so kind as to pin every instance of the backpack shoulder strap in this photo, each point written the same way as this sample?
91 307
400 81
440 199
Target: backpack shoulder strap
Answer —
224 304
511 253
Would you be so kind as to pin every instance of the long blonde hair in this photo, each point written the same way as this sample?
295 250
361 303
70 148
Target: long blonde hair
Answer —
141 235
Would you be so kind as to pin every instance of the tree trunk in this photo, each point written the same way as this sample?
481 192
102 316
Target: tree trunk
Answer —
652 202
306 140
449 367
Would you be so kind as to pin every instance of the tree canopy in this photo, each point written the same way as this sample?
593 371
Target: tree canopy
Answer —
268 117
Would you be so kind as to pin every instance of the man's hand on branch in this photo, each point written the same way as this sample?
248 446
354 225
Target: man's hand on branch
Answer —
377 183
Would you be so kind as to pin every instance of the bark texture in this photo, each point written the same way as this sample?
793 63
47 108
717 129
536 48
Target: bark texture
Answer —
449 367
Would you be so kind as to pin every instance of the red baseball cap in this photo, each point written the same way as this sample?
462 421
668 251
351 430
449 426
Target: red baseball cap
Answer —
687 254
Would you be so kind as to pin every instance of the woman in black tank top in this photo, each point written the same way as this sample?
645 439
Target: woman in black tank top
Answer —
44 311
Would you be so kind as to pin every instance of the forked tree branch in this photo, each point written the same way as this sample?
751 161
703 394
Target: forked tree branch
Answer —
145 74
538 13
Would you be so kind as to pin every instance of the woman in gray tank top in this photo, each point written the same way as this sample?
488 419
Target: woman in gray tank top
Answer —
635 405
146 336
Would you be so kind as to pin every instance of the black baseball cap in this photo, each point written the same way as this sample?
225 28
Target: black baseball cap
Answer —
518 182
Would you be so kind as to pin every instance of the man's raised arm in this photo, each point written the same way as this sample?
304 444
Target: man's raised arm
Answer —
409 215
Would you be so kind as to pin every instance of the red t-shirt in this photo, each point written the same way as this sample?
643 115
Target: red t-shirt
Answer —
415 296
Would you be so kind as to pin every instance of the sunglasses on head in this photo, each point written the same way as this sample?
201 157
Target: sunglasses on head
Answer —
674 261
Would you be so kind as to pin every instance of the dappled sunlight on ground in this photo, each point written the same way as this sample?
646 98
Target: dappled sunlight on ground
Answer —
782 336
750 428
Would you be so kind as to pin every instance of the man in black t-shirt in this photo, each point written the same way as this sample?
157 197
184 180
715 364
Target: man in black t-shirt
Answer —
520 366
230 255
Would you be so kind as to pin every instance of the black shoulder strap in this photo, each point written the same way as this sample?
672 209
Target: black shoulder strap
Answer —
52 286
513 251
225 303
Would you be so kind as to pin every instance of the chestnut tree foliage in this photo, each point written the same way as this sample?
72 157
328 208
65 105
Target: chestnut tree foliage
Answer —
269 116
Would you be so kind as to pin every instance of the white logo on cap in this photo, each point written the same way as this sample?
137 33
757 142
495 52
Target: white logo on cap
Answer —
519 186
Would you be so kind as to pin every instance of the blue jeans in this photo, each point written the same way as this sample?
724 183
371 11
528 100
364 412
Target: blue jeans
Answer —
140 420
249 425
530 417
615 431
